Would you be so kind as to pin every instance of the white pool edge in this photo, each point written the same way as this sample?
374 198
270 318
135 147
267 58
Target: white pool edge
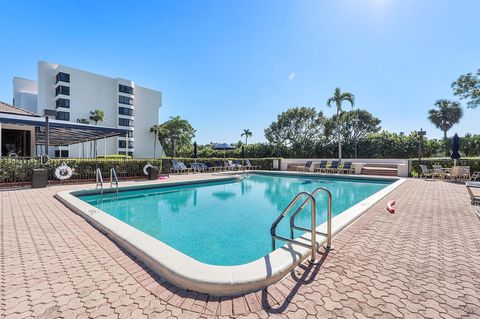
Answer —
188 273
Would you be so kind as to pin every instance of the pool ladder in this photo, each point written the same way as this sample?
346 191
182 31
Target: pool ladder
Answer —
113 179
313 230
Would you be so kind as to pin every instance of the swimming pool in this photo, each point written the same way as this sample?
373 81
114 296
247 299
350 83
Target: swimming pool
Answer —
228 223
211 234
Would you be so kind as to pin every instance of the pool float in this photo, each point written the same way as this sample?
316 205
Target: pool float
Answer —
390 207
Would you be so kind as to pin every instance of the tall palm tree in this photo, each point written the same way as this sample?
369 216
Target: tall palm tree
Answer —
445 116
247 133
96 116
154 129
338 98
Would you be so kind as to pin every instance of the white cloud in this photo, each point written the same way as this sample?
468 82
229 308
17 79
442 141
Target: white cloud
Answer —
291 76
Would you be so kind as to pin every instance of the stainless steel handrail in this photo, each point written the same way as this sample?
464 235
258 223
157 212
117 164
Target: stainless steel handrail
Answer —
99 179
313 246
328 245
113 174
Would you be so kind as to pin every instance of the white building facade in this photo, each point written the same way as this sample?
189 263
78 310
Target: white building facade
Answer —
75 93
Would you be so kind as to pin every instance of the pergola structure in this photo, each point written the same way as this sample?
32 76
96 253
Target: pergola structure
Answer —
60 133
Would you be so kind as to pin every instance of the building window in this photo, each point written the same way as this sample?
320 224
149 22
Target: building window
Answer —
122 144
64 77
62 103
125 89
61 153
125 100
125 111
63 116
130 134
61 89
125 122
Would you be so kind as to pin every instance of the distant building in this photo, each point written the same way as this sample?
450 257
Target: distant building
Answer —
74 93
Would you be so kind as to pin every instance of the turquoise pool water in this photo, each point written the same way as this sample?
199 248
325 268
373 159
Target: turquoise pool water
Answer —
228 222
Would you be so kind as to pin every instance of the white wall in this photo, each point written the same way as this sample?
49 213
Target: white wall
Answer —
25 94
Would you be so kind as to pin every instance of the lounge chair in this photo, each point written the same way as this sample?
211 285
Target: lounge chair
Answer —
426 172
177 168
455 173
249 165
237 164
347 168
305 168
466 173
205 167
219 166
322 167
228 165
475 199
333 167
475 176
196 167
438 171
184 167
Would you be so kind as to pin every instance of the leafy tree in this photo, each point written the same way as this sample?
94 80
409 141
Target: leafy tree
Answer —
355 125
338 98
467 86
155 129
247 133
175 134
97 116
445 116
296 127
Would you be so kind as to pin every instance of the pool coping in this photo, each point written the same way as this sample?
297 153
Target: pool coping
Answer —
188 273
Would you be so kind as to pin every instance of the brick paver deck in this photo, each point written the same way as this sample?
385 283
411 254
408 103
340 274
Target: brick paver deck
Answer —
423 261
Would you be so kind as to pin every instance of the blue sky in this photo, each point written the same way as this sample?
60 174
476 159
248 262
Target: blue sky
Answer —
230 65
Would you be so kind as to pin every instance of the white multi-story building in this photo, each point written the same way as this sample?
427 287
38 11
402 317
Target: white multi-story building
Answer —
75 93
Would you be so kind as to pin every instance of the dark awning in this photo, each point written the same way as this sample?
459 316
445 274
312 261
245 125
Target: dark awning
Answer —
62 132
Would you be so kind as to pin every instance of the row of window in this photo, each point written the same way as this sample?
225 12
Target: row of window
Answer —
125 100
125 122
125 89
63 116
62 103
64 77
61 153
123 144
61 89
125 111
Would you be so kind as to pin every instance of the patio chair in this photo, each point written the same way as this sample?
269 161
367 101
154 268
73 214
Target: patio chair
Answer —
228 165
475 176
305 168
205 167
426 172
219 166
322 167
176 168
237 164
475 199
466 173
196 168
455 173
249 165
438 171
185 168
333 167
347 168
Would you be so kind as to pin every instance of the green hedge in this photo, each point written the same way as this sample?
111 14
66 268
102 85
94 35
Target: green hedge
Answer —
473 162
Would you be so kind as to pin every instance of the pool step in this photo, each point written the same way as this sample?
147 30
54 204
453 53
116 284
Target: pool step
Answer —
382 171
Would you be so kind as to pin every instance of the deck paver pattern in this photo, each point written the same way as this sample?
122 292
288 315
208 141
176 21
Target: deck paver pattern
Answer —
423 261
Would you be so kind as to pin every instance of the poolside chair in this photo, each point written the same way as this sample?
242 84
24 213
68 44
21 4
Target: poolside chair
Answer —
249 165
322 167
196 167
228 165
426 172
305 168
219 166
347 168
185 168
333 167
466 173
237 164
475 176
455 173
438 171
475 199
176 167
205 167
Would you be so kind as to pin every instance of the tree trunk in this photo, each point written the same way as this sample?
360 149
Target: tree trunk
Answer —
445 139
339 136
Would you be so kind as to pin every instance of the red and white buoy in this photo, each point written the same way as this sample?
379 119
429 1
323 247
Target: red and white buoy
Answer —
390 207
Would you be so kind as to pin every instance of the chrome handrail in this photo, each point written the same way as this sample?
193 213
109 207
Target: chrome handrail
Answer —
328 245
113 174
99 179
313 246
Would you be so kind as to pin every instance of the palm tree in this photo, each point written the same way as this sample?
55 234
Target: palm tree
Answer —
339 97
155 129
445 116
96 116
247 133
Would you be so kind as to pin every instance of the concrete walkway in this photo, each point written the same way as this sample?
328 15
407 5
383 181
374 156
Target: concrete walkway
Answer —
423 261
